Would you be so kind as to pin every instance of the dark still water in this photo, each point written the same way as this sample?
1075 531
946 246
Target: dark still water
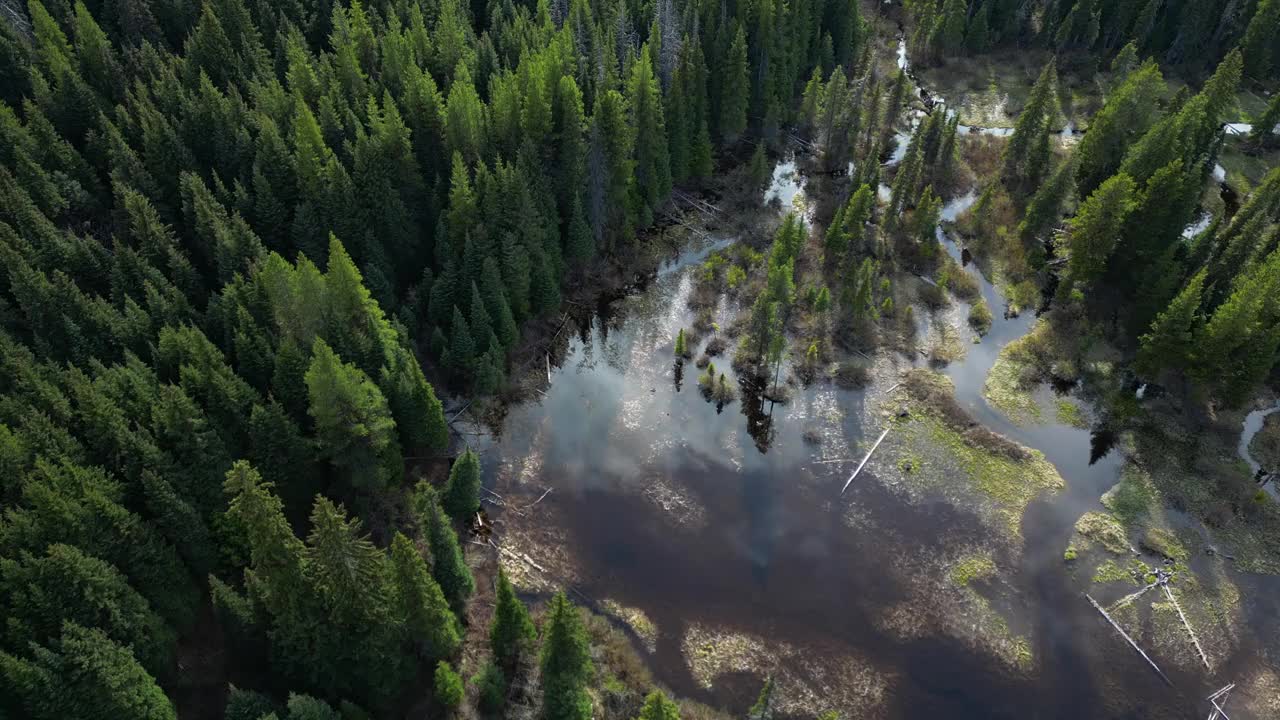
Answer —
726 528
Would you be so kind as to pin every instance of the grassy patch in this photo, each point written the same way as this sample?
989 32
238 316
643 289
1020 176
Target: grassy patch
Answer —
1069 413
1111 571
1165 543
946 348
1008 390
1005 472
973 567
1132 499
1104 530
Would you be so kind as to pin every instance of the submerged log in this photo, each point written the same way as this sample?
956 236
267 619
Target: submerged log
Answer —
1128 639
1187 625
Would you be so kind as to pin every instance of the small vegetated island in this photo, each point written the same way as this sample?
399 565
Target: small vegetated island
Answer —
620 359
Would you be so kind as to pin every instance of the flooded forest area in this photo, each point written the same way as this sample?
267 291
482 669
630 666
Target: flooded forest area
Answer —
949 496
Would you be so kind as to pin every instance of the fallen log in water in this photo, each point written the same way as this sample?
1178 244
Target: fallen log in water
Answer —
1133 644
865 459
1187 625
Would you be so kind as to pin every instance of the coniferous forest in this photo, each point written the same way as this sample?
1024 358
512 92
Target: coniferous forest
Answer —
251 249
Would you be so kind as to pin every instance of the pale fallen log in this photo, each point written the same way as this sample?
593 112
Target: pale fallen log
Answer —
1213 700
464 409
1130 640
833 462
1187 625
535 502
1130 598
548 367
865 459
518 556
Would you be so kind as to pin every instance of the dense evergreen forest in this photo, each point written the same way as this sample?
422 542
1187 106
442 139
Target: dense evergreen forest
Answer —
238 237
234 232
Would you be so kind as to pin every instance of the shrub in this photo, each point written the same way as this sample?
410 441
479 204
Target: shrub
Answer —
491 686
980 317
449 689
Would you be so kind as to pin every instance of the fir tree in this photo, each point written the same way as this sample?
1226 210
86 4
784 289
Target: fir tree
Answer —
448 567
352 420
511 631
448 686
1045 205
652 161
566 664
1026 155
658 707
1095 229
735 88
462 494
1258 43
421 602
1171 342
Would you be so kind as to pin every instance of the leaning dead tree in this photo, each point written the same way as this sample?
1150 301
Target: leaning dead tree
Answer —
1130 640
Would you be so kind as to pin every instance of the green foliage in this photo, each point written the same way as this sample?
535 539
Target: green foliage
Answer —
448 686
1095 229
512 629
448 567
763 707
658 707
421 602
566 663
462 494
492 688
247 705
174 178
83 673
735 88
352 420
1026 156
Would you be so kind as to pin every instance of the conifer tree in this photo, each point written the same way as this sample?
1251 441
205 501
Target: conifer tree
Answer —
658 707
511 631
566 664
1128 113
462 494
1026 156
421 603
448 567
952 27
1045 205
353 422
652 161
1259 41
1263 133
735 89
1095 230
1171 342
83 674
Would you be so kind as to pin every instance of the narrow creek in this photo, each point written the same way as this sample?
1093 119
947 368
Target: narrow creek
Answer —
721 525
